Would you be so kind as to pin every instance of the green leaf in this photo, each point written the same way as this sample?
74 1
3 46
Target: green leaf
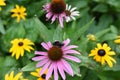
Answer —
15 31
44 32
101 33
58 34
29 67
80 31
31 28
2 30
114 29
101 8
109 36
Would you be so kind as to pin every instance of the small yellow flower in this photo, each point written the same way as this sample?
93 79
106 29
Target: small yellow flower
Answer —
37 74
19 12
117 41
2 3
91 37
16 77
102 54
19 45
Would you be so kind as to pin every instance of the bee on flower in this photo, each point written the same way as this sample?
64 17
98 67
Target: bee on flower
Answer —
55 59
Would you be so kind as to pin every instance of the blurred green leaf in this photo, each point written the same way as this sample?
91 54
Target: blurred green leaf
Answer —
29 67
80 31
58 34
2 30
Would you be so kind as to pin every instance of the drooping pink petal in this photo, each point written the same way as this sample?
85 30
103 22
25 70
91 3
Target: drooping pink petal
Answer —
71 52
60 68
45 45
54 18
49 44
50 71
49 15
55 72
41 53
38 58
68 67
45 67
61 20
41 63
69 47
66 42
72 58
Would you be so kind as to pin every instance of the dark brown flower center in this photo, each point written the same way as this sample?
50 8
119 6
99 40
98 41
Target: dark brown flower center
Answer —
20 43
57 6
55 53
68 13
101 52
18 13
43 76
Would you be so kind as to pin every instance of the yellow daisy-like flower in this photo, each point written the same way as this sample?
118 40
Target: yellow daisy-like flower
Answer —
19 45
19 12
102 54
2 3
37 74
117 41
91 37
16 77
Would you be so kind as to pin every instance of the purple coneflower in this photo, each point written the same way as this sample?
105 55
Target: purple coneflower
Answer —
55 59
56 10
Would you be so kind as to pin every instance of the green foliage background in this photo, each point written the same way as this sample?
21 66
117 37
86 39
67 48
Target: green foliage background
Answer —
98 17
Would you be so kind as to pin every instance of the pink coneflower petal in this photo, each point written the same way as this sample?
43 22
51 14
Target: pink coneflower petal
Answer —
66 42
41 53
50 70
45 46
49 15
72 58
39 64
61 20
67 66
60 68
55 73
45 67
49 44
71 52
39 58
54 18
69 47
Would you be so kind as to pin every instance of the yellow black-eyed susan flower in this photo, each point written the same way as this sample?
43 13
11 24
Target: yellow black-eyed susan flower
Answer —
117 41
16 77
19 12
103 54
37 74
2 3
19 45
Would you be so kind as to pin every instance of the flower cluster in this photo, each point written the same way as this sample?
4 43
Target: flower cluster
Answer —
57 9
53 58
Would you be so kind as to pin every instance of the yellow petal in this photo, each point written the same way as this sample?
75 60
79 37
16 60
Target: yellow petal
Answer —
111 53
12 75
35 74
108 61
18 76
103 61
